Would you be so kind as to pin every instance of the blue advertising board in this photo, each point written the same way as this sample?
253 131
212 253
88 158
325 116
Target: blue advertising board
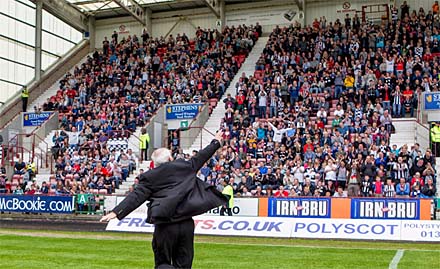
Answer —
300 207
432 100
31 119
37 204
182 111
385 208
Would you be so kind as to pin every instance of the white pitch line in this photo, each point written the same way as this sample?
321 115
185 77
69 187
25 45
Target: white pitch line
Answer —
395 261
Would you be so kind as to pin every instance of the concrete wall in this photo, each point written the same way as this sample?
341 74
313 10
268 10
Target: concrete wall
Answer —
422 135
333 10
157 129
268 14
187 137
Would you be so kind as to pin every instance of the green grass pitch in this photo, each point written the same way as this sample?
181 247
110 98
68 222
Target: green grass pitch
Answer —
48 249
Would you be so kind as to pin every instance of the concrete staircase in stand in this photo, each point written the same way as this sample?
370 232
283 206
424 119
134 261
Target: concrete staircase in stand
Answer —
145 165
405 133
214 121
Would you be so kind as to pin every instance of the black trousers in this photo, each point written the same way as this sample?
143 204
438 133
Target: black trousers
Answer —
226 209
24 102
173 244
144 153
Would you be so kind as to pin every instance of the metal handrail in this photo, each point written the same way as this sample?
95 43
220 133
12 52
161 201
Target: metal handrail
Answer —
202 128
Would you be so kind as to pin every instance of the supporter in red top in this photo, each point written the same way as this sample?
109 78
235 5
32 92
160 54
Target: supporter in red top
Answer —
281 192
417 180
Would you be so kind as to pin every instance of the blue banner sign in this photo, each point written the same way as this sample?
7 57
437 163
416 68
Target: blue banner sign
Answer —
300 207
37 204
432 101
35 119
403 209
182 111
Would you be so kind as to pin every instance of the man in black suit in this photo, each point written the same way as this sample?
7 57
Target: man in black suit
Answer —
175 195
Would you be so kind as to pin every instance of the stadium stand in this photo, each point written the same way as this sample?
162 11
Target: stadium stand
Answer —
118 89
317 114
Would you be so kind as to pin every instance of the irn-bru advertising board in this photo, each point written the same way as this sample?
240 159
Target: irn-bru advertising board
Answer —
346 208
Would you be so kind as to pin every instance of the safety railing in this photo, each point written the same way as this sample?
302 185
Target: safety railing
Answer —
190 133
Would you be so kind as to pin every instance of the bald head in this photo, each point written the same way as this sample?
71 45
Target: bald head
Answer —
161 155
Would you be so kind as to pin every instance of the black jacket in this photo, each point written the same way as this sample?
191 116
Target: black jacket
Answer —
174 191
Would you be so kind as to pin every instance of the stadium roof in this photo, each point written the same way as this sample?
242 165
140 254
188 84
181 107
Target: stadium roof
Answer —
109 8
97 5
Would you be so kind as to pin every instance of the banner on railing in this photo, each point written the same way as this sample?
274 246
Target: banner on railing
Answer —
300 207
432 100
368 229
31 119
346 208
182 111
322 207
37 204
242 206
385 208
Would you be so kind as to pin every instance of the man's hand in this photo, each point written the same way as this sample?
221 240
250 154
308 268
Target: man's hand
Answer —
219 136
108 217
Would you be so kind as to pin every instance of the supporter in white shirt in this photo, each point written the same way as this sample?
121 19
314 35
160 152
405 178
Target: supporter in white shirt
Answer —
278 133
298 172
330 171
339 111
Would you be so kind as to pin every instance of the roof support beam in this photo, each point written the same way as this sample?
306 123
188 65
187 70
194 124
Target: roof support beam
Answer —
299 3
214 6
133 8
67 13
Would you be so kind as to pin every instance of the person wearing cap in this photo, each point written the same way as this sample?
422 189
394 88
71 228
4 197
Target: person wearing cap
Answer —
175 195
228 191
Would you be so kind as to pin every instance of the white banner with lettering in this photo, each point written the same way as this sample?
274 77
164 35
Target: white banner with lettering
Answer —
245 207
396 230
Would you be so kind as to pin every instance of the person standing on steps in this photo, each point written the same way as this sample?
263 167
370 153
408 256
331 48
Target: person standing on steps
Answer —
228 191
435 139
24 98
144 143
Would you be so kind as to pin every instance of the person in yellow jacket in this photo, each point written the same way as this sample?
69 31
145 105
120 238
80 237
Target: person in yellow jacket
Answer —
24 98
144 143
435 139
349 82
228 191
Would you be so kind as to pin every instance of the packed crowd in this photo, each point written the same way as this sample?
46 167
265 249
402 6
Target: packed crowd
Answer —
119 88
316 117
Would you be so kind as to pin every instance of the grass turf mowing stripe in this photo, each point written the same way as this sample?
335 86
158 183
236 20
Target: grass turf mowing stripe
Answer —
395 261
253 241
40 252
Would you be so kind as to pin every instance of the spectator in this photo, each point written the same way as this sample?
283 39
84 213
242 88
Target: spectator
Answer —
402 189
20 167
340 193
281 192
428 190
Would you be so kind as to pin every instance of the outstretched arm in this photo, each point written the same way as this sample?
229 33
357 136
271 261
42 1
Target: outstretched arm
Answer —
273 126
203 155
133 200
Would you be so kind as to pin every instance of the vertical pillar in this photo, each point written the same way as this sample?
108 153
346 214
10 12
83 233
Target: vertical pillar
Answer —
92 33
149 21
222 6
304 12
38 37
